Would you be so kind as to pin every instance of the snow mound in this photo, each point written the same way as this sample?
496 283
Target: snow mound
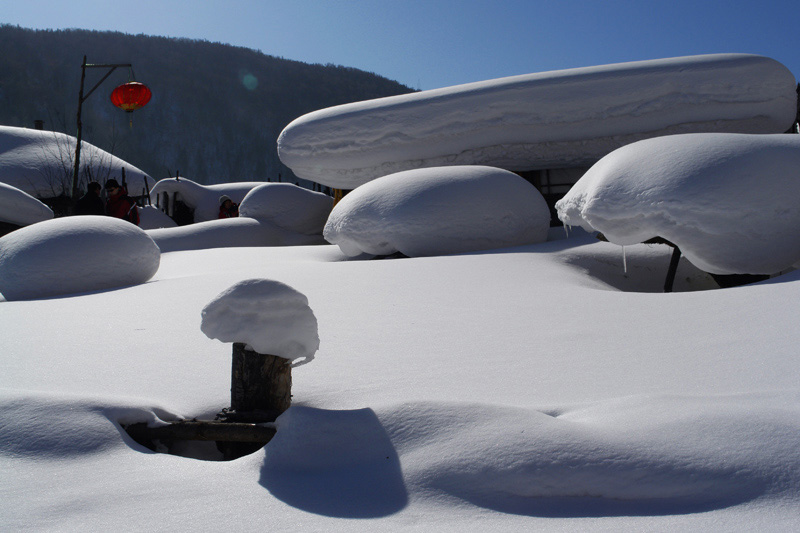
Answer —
203 199
728 201
40 163
101 253
150 217
565 118
639 455
437 211
228 233
20 208
288 206
269 316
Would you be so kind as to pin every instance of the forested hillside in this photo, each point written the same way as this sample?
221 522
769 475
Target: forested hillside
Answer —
216 109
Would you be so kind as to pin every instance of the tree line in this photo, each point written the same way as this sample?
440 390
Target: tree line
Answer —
216 110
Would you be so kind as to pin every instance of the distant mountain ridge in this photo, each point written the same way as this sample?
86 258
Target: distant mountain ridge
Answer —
216 109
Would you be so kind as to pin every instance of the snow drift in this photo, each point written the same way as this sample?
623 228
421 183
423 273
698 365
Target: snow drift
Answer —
728 201
288 206
41 163
20 208
100 253
566 118
228 233
438 211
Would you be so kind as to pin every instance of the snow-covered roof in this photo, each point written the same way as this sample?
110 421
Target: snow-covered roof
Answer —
269 316
437 211
728 201
20 208
553 119
41 163
204 199
288 206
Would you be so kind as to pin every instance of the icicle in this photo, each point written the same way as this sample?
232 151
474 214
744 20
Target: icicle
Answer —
624 260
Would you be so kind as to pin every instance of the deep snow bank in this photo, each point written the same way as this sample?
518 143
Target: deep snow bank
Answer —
20 208
288 206
75 254
438 211
564 118
728 201
40 163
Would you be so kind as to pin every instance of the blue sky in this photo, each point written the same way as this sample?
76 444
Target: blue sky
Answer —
438 43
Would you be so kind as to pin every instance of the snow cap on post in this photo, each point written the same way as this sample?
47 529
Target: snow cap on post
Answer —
269 316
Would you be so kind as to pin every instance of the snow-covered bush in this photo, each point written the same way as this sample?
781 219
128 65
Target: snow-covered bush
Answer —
436 211
728 201
75 254
288 206
20 208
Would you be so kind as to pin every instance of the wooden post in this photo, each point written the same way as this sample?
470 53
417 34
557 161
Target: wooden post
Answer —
673 269
259 382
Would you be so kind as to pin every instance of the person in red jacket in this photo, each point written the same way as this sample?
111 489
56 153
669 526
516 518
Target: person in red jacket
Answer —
119 204
227 209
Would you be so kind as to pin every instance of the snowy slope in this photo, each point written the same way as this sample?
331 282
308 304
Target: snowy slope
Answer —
566 118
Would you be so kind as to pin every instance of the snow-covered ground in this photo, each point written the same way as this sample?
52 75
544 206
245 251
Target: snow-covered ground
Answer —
531 388
565 118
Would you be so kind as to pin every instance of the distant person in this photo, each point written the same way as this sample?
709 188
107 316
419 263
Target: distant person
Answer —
91 203
227 209
119 204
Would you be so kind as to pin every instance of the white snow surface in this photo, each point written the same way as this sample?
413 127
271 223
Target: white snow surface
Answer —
40 163
75 254
565 118
267 315
20 208
288 206
533 388
728 201
438 211
204 199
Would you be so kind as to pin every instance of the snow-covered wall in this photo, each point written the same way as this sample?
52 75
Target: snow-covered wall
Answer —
563 118
40 163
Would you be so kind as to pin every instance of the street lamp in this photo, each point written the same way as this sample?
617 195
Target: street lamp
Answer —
129 96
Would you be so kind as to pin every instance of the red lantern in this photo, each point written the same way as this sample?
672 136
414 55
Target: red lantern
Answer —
131 96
